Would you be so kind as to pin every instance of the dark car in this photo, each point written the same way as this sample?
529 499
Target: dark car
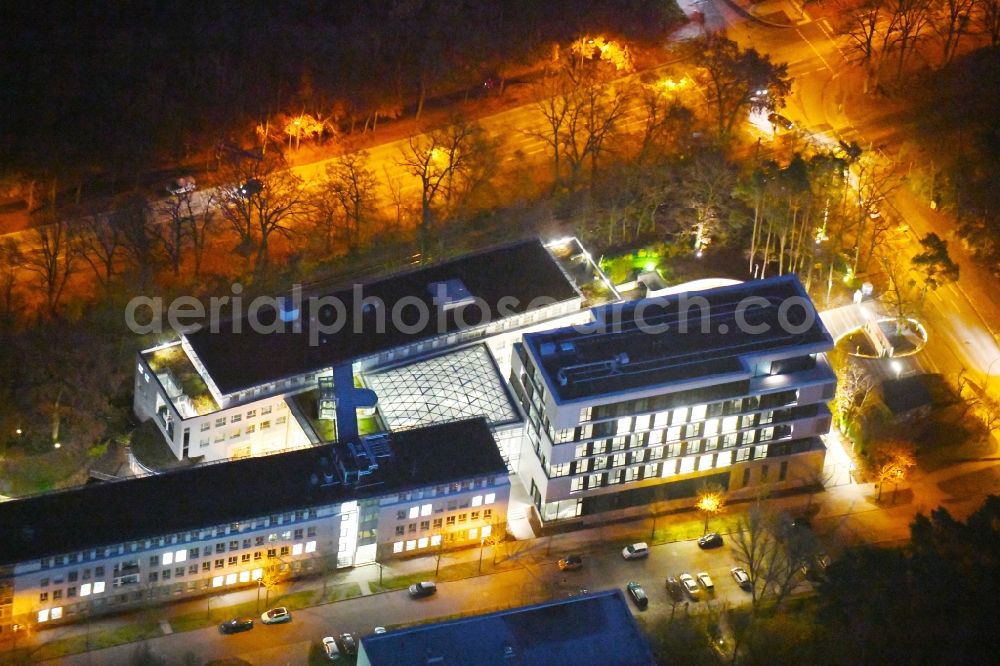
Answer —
570 563
674 589
236 625
423 589
638 595
779 120
251 187
349 644
713 540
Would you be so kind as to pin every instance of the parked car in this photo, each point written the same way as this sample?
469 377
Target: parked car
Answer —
779 120
741 577
276 616
181 185
570 563
635 551
236 625
251 187
713 540
349 644
638 595
690 585
331 648
423 589
675 589
706 580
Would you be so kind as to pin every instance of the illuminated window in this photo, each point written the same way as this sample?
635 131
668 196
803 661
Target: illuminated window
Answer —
426 509
705 462
397 547
486 531
680 415
217 581
624 425
43 615
473 533
230 578
698 412
256 574
297 549
673 433
411 544
414 511
490 498
576 484
85 590
168 558
477 500
669 468
642 422
760 452
711 427
661 420
244 576
56 613
98 587
729 424
310 546
687 464
724 459
422 542
180 556
656 437
435 540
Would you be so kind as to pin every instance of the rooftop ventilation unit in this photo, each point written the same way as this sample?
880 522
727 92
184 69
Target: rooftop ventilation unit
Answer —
567 347
450 294
547 349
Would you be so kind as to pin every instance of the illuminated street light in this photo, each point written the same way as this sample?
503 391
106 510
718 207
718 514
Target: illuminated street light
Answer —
709 503
897 367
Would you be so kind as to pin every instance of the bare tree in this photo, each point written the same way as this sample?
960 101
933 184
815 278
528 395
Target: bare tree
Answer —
267 199
174 235
53 257
740 81
345 200
139 234
752 544
911 17
439 159
892 460
11 259
556 101
949 19
100 243
987 17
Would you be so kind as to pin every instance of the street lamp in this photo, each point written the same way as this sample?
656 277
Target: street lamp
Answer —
709 503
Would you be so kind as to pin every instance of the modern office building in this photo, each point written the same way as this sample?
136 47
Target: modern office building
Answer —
589 630
659 396
228 393
213 527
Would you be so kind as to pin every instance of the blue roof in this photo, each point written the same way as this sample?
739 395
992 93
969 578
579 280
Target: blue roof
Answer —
595 629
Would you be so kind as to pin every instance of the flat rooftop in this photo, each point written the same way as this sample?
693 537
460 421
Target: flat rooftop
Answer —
677 338
590 630
511 279
215 494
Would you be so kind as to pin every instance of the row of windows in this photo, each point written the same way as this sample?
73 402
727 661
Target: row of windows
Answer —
450 521
436 539
667 468
438 491
236 433
194 535
426 509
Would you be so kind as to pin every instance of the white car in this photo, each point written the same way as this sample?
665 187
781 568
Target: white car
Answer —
741 577
706 580
330 647
276 616
690 585
635 551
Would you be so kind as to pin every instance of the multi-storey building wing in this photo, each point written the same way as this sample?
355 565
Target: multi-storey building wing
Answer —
225 391
658 396
212 527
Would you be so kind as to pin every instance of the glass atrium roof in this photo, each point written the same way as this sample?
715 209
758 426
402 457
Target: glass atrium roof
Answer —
458 385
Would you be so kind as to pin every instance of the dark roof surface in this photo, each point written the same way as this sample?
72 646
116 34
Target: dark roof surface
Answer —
906 393
108 513
644 343
589 630
524 270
